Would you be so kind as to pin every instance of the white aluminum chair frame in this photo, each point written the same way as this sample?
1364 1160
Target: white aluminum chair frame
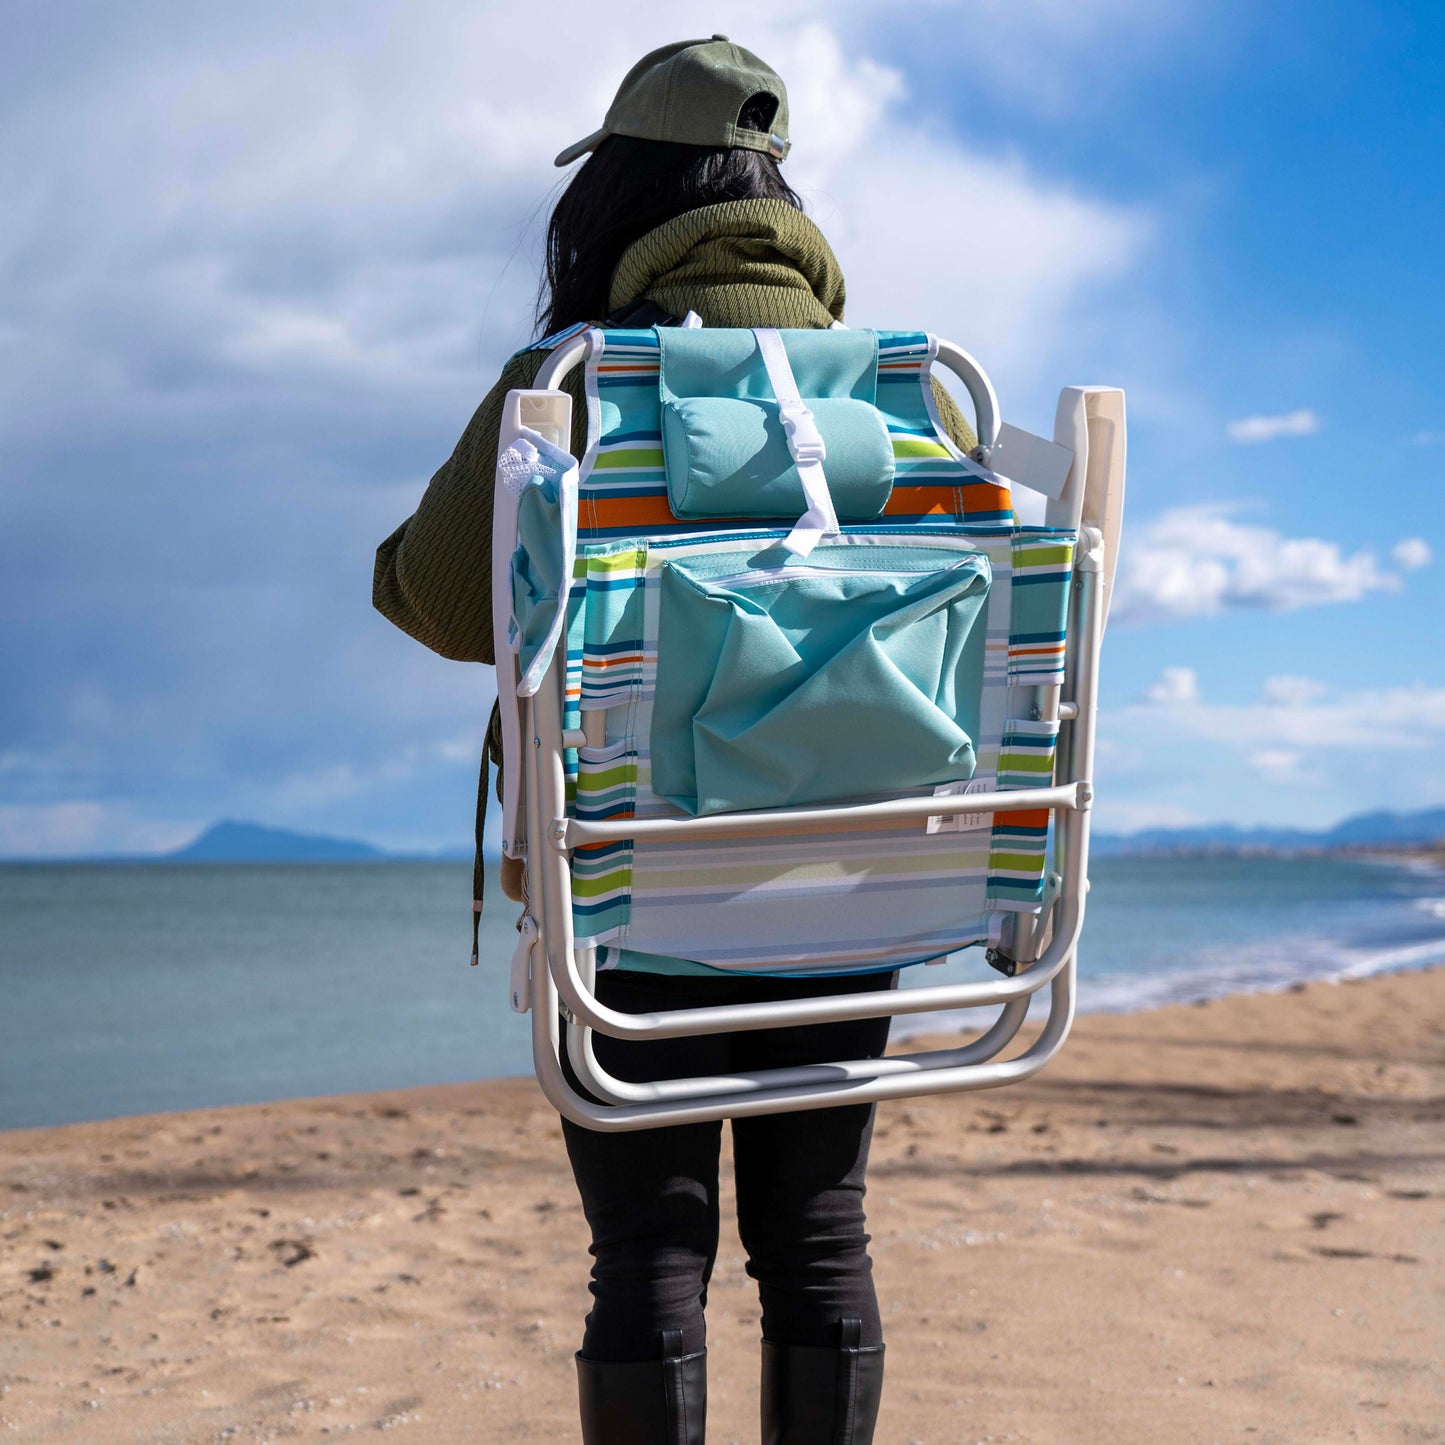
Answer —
562 994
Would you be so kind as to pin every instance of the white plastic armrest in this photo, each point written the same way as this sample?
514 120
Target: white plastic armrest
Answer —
1090 422
547 414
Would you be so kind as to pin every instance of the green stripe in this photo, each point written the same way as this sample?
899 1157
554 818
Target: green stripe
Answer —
596 887
614 777
1025 763
1019 862
633 559
628 457
918 447
1044 556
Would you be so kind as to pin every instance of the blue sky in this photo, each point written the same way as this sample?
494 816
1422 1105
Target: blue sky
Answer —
258 264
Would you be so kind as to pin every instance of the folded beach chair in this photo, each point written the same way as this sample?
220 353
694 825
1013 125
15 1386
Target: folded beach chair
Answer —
793 692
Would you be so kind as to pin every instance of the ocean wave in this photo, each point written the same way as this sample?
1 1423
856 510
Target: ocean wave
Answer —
1267 968
1269 965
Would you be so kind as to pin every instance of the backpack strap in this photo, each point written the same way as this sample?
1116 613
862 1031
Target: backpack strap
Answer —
491 754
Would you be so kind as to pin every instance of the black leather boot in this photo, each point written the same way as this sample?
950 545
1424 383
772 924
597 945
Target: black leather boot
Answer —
818 1396
645 1402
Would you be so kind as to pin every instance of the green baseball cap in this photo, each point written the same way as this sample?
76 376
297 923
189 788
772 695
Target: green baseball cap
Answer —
691 92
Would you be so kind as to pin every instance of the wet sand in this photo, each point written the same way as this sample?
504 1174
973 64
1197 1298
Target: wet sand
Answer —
1211 1223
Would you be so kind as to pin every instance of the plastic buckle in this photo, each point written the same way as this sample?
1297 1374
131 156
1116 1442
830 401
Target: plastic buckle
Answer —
805 441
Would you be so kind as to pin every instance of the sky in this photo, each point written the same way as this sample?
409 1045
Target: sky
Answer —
258 264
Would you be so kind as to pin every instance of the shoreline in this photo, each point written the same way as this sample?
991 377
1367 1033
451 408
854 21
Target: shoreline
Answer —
907 1029
1235 1205
264 983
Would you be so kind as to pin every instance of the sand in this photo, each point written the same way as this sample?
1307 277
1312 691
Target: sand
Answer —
1210 1223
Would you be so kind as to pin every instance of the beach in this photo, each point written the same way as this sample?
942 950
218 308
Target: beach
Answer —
1208 1222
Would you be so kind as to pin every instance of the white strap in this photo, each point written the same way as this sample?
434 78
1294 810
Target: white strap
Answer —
806 444
691 322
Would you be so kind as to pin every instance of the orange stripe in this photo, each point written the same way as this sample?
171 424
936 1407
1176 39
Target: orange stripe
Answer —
627 511
1033 818
938 497
916 501
637 512
985 497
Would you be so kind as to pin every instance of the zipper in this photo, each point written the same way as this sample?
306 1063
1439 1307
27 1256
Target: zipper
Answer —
785 574
953 534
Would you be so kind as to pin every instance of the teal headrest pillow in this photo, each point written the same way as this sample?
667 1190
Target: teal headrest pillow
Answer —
727 457
723 445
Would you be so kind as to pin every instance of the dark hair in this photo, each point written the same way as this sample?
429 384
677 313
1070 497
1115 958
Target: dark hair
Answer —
628 187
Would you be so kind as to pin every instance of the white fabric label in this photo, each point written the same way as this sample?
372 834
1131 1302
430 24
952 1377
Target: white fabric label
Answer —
960 822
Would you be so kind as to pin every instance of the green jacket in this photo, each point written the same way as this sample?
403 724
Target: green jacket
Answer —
742 263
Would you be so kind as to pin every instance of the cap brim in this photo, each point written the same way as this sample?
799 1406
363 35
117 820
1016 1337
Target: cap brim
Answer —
580 148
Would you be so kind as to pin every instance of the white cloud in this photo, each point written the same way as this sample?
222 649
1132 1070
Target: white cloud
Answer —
1174 687
273 259
1198 562
1396 719
1280 765
46 830
301 792
1429 438
299 203
1411 554
1292 691
82 829
1290 754
1130 815
1044 248
1251 429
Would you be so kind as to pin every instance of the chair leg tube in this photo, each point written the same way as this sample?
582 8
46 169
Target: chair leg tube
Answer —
820 1396
644 1402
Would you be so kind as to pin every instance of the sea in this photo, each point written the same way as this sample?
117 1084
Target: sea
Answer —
135 988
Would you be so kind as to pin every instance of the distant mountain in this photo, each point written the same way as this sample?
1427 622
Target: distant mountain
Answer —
1364 830
233 842
1427 826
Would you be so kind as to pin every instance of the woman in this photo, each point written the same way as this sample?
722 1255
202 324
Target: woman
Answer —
681 207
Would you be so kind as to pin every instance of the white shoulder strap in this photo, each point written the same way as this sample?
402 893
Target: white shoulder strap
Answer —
806 444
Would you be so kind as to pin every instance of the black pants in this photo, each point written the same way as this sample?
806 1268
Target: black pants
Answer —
651 1197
